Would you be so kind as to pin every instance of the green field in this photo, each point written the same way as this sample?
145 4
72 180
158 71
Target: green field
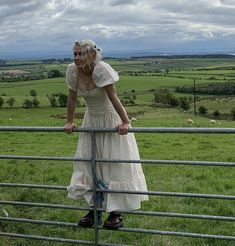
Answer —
141 84
181 72
172 178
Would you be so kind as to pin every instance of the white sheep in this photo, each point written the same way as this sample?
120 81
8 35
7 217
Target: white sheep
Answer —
213 121
133 119
190 121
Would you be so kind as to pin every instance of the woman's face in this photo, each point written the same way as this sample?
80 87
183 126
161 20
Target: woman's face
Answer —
78 57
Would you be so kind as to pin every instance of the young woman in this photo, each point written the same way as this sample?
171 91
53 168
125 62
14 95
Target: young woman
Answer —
94 80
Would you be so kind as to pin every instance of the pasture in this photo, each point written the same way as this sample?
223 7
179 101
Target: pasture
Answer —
171 73
207 147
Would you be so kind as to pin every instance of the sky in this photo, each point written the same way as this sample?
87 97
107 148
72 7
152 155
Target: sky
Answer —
50 27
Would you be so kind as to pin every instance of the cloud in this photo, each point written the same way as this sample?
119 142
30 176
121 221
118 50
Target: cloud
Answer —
121 2
116 24
9 9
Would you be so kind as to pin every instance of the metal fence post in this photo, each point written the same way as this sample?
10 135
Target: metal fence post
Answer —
94 178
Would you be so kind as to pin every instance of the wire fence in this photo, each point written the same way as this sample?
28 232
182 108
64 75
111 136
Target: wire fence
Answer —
96 190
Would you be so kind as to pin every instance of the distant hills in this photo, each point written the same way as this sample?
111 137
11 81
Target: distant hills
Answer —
115 54
190 56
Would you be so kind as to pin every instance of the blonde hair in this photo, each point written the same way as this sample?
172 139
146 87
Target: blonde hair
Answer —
90 51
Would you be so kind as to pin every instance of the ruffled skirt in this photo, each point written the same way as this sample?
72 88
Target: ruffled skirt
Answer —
115 176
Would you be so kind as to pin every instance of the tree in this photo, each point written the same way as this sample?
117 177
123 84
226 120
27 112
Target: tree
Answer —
62 100
184 103
164 96
55 73
35 102
174 102
216 114
1 101
33 93
202 110
27 103
52 100
133 95
10 101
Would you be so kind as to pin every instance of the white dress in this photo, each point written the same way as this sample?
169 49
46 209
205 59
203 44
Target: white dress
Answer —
100 113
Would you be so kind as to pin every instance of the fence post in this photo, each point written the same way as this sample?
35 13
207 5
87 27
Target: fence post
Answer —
95 186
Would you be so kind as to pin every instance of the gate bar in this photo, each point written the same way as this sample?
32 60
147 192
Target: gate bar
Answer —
133 129
168 162
55 239
146 231
152 193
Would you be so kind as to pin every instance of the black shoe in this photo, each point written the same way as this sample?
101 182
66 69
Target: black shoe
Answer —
114 221
88 219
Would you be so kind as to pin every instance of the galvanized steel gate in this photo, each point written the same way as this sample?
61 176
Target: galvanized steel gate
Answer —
97 190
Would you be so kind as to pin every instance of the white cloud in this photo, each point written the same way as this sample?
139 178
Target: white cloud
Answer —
227 34
208 35
184 37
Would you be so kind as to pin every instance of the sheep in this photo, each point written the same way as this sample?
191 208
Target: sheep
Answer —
190 121
213 121
133 119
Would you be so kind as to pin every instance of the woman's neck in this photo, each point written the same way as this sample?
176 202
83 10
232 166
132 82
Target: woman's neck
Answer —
85 70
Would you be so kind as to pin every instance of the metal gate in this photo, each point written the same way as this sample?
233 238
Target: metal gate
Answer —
97 190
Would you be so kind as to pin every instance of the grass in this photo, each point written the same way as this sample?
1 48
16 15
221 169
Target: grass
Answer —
189 179
43 87
21 90
172 64
223 104
182 73
214 180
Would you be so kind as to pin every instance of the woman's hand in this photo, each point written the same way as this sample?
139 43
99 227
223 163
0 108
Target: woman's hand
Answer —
123 128
68 128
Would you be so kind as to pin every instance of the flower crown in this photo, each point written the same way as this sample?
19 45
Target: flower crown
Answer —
88 42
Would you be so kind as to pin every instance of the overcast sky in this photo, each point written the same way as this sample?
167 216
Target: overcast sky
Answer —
167 26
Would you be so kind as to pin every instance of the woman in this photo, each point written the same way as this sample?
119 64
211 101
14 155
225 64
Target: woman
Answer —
94 80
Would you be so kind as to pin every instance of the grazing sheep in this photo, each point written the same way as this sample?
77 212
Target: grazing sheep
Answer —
213 121
133 119
190 121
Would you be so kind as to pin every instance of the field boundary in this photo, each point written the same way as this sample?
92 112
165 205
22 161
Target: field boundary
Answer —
97 191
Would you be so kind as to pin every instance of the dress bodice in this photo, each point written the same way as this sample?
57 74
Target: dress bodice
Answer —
97 101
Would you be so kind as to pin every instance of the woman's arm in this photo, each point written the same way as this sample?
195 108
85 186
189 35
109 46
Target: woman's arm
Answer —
111 92
72 98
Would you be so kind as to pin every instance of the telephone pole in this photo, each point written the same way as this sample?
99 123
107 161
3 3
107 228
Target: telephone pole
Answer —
194 96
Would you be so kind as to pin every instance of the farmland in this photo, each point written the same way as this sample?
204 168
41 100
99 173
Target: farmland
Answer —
141 77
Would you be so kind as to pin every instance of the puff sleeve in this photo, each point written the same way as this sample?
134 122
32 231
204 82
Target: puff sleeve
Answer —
71 77
103 74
